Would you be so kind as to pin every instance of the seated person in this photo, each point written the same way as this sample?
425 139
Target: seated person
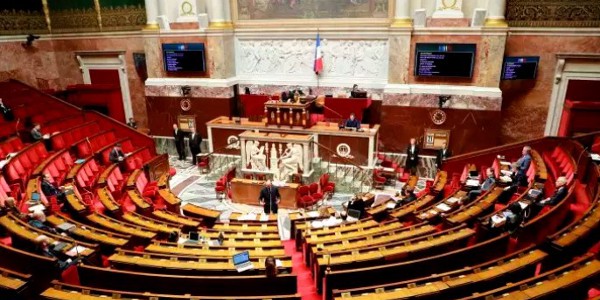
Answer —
50 190
116 154
45 249
37 220
352 122
487 184
357 203
10 206
559 194
408 196
132 123
270 267
173 237
7 113
36 132
509 219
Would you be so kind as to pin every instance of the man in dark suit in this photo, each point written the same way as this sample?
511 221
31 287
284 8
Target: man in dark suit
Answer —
408 196
269 198
559 194
412 156
6 112
116 154
352 122
521 167
442 155
487 184
179 141
194 143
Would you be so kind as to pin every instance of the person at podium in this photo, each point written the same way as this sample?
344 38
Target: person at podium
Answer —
352 122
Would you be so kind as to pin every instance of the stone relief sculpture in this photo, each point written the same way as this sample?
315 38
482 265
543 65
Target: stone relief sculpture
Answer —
343 58
255 154
290 161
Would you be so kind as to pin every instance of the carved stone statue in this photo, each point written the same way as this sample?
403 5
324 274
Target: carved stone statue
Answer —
291 161
255 154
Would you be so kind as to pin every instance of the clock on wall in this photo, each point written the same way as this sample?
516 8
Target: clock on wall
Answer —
438 117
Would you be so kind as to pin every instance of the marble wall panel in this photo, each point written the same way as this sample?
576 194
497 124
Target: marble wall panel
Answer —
154 55
525 104
221 50
399 58
196 91
456 102
376 94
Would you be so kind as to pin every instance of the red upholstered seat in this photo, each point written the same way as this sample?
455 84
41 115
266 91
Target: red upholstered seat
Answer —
378 180
303 190
172 172
306 201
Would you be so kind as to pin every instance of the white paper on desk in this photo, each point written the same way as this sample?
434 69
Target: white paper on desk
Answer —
213 243
505 163
264 217
181 240
388 169
38 207
390 205
472 182
313 214
278 263
506 172
523 204
75 251
225 216
331 221
505 179
498 220
316 224
595 156
453 200
443 207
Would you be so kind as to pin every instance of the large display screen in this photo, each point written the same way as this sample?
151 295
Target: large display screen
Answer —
445 60
184 57
520 67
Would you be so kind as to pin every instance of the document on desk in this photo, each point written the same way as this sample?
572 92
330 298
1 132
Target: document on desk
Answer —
313 214
472 182
390 205
443 207
595 156
453 200
316 224
75 251
278 263
505 163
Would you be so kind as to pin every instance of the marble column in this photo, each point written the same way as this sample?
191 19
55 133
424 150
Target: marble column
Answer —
495 17
402 17
221 53
151 14
219 14
399 57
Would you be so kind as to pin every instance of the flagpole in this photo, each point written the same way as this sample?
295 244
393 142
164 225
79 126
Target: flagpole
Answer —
318 75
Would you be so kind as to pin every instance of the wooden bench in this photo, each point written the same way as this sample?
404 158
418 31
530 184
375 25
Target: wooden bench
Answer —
457 283
13 284
389 272
41 268
121 227
95 235
106 198
209 215
63 291
163 227
259 285
186 265
201 251
570 281
188 223
579 235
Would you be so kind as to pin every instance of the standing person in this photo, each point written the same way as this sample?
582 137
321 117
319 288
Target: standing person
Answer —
442 155
269 198
412 156
194 143
179 139
521 166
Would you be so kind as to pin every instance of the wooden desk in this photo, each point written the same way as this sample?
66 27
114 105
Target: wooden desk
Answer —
201 251
107 200
288 114
175 218
201 212
247 191
244 227
362 144
117 226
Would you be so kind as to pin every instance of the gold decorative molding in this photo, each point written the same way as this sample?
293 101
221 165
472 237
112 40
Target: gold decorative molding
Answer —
495 23
553 13
47 14
220 25
122 18
406 22
98 13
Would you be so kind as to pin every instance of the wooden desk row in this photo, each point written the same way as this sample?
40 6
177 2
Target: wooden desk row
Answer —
223 286
382 238
324 237
541 170
454 284
108 201
571 281
301 217
404 250
12 283
434 212
89 233
63 291
185 265
121 227
24 233
583 229
206 251
471 211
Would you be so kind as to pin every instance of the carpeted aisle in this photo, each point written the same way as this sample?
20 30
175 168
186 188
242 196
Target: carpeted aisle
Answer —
306 286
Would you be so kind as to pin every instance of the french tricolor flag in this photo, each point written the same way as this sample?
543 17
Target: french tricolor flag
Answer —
318 57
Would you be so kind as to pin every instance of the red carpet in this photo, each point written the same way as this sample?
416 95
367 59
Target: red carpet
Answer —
306 286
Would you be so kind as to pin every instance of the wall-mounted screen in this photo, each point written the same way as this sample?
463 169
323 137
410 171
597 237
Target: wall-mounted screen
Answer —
520 67
184 57
445 60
